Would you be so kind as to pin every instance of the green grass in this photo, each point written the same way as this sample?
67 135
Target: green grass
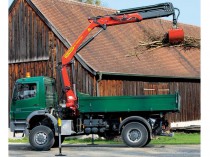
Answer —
179 138
18 140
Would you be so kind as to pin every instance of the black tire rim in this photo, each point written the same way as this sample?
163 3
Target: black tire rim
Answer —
134 135
40 138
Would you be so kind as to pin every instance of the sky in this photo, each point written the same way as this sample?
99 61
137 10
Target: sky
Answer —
189 9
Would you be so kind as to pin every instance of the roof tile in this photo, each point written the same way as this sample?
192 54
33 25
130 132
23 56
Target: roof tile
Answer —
108 53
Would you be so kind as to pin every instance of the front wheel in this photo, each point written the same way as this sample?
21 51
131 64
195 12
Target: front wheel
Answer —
41 138
135 134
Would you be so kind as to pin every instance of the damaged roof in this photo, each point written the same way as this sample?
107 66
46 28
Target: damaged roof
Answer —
113 51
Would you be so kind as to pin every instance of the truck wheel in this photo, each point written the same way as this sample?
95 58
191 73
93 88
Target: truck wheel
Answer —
135 134
148 141
56 143
41 138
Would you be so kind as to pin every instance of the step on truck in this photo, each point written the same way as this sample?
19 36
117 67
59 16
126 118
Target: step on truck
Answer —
37 111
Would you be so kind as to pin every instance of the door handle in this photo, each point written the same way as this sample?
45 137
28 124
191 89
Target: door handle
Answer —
35 104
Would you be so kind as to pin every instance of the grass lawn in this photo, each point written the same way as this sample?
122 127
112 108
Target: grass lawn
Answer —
179 138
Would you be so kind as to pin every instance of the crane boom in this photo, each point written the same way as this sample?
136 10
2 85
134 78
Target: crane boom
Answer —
120 17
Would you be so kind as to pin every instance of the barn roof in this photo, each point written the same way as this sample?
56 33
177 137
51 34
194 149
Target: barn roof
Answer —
112 51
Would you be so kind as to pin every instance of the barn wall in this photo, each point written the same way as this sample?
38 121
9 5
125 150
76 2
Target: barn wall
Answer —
85 82
18 70
28 35
34 48
32 45
190 101
188 89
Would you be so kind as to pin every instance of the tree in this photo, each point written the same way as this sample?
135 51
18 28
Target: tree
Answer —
96 2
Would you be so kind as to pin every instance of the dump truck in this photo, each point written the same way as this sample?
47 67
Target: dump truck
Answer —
37 111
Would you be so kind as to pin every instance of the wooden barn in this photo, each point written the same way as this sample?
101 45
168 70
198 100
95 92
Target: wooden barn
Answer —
40 31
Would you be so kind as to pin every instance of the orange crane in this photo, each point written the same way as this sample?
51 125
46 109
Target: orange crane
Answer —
124 16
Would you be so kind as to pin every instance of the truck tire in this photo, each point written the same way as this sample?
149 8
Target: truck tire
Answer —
41 138
135 134
56 143
148 141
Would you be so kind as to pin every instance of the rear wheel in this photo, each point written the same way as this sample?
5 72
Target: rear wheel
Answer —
135 134
41 138
148 141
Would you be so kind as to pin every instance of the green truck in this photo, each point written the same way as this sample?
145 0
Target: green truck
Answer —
37 111
136 118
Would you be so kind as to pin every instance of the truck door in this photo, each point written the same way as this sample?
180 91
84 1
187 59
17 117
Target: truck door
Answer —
25 100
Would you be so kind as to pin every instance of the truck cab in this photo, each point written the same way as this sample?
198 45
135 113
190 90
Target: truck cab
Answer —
31 94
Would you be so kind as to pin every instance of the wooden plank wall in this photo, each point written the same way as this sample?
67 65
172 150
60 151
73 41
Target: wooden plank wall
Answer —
18 70
111 87
189 91
28 35
126 87
85 82
34 48
190 101
32 45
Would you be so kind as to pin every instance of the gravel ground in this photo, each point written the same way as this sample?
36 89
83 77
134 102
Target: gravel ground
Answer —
84 150
24 150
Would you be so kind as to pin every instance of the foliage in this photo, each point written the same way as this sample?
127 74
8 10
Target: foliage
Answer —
96 2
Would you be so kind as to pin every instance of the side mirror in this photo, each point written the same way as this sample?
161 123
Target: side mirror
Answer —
17 87
15 98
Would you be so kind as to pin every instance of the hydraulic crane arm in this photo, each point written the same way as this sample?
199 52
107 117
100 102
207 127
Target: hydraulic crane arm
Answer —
120 17
153 11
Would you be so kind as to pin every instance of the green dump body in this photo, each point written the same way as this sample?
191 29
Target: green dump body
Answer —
150 103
